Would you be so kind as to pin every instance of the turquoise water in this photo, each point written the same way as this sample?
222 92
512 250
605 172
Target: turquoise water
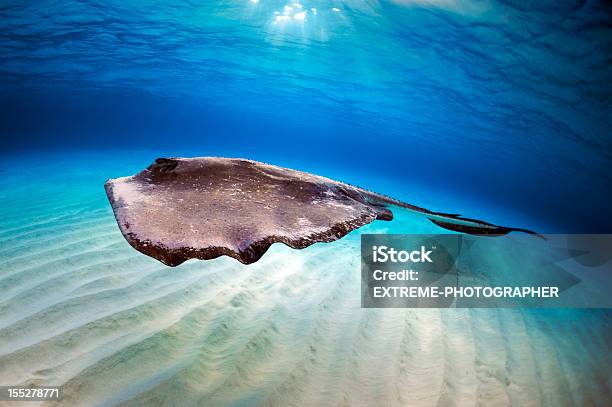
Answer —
496 110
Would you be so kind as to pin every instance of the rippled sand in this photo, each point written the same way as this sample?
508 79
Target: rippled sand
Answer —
80 308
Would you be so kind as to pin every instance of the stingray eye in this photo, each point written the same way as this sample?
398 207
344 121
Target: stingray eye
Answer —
163 165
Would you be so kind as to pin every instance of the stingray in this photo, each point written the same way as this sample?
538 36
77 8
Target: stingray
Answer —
183 208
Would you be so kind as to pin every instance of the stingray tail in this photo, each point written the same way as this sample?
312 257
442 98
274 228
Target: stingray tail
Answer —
450 221
476 227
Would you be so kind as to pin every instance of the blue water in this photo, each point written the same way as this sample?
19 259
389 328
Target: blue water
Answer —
507 103
497 110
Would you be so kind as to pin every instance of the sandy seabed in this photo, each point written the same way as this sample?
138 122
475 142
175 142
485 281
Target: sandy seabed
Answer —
80 308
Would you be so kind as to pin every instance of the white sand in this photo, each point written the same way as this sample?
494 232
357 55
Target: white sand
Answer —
79 307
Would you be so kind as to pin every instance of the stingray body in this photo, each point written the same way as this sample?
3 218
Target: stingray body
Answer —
203 208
